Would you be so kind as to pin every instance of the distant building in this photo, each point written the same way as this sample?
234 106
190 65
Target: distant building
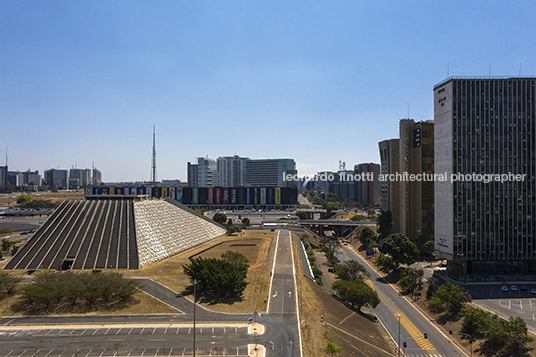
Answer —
96 180
57 179
192 175
270 172
486 126
231 171
83 177
411 202
27 178
3 177
361 184
207 172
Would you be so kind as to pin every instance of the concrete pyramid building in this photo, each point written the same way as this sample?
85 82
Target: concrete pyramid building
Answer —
114 232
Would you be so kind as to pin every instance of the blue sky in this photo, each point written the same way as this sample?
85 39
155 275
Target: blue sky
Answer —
316 81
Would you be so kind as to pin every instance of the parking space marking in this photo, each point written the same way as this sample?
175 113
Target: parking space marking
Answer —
171 350
102 352
129 352
118 331
9 353
156 354
184 350
165 332
49 353
22 353
62 353
142 330
143 352
153 331
87 353
129 332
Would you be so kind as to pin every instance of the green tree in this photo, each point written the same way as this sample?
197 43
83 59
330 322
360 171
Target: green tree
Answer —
385 261
245 221
220 218
332 349
217 275
8 281
331 206
356 293
6 245
358 217
400 248
410 280
301 215
384 222
474 321
437 304
23 198
454 297
367 237
351 270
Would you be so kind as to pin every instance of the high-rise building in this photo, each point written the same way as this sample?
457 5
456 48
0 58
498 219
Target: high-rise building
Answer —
192 175
270 172
207 172
367 191
57 179
96 180
411 201
3 177
390 189
483 127
83 176
416 154
231 171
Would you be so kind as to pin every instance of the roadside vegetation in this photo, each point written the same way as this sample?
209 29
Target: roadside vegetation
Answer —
222 219
51 292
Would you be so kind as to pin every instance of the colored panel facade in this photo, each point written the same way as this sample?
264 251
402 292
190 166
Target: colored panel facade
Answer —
263 195
278 195
225 193
195 195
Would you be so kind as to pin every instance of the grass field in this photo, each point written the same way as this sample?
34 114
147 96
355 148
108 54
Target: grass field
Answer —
56 197
254 244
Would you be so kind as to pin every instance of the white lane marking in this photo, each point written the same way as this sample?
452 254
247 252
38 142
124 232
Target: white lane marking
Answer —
272 273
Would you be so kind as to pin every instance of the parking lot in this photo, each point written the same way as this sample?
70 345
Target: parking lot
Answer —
124 341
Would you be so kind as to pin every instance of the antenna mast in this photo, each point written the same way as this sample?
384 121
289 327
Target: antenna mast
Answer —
153 163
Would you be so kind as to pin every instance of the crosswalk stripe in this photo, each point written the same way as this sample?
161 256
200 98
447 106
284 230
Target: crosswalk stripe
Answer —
414 332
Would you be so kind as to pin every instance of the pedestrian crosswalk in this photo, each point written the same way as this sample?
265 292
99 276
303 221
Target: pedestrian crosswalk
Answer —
417 335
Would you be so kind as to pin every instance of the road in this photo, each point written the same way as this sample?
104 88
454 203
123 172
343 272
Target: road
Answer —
402 320
165 334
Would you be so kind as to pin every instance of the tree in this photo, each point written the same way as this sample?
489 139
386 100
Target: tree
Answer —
385 222
8 282
220 218
356 293
400 248
332 349
351 270
236 258
474 321
517 337
24 198
331 206
385 261
217 275
245 221
301 215
367 237
6 245
454 297
358 217
410 280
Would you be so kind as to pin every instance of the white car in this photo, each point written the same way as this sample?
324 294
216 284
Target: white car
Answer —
504 288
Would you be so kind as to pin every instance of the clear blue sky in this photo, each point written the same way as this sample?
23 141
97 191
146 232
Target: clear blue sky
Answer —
316 81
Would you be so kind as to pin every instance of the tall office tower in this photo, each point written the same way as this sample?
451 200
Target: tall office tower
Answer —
231 171
192 175
367 191
390 190
416 155
486 126
58 179
3 177
32 178
207 172
83 176
270 172
97 177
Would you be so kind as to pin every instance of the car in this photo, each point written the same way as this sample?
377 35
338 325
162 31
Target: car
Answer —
513 288
523 288
504 288
533 291
330 270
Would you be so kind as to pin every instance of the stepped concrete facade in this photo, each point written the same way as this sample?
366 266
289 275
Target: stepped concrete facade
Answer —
120 232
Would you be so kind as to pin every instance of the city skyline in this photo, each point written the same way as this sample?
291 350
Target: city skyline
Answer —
316 82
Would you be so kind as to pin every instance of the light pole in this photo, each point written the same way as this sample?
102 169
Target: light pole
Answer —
399 316
195 281
470 339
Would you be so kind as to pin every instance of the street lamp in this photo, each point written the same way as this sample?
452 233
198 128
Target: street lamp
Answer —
470 339
399 316
195 281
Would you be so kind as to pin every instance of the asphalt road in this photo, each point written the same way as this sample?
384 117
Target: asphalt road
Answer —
137 335
403 321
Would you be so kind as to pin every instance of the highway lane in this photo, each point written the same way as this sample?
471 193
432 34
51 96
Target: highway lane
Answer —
397 314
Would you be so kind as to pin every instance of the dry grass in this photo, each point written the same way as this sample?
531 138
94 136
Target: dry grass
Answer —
254 244
56 197
324 318
140 303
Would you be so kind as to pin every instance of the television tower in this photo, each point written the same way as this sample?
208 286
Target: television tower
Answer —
153 163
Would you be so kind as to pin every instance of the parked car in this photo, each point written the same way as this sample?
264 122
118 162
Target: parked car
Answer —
513 288
523 288
504 288
533 291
